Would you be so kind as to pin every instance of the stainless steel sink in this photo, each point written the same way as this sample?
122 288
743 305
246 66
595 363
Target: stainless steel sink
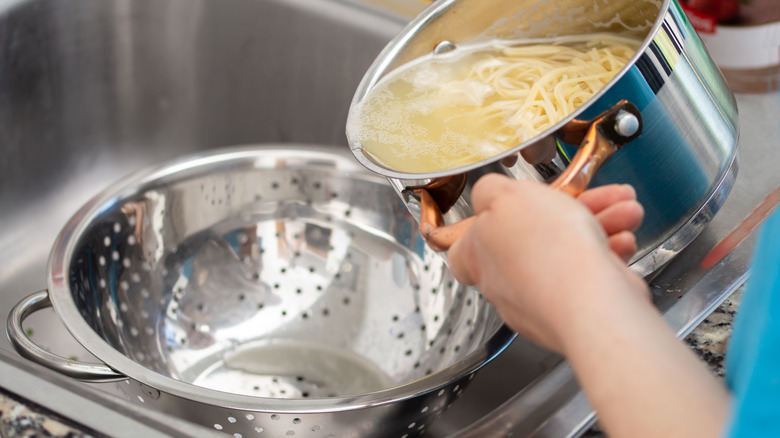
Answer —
91 90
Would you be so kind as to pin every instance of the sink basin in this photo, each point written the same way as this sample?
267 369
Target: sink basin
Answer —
91 90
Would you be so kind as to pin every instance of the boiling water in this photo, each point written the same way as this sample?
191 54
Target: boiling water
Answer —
446 111
293 370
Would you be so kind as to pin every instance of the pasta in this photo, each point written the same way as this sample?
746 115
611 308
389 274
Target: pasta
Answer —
440 113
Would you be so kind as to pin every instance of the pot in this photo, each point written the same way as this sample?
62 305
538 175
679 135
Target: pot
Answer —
273 290
682 164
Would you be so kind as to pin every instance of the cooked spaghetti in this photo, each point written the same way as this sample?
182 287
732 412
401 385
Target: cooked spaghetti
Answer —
443 112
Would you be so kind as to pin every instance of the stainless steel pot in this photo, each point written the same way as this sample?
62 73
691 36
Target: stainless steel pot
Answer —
266 291
682 165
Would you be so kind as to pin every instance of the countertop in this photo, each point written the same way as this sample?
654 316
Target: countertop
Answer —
20 418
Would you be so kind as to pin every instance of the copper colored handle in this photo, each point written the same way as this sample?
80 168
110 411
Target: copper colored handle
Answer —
603 137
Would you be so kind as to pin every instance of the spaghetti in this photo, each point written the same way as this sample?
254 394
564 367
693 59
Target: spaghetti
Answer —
443 112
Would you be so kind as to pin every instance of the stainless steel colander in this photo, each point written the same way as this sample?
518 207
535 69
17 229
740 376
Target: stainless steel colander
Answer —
266 291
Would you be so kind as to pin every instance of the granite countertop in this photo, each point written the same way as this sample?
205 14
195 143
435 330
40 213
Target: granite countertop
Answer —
20 418
710 338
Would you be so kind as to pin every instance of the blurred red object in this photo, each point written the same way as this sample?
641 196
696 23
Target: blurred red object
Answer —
721 10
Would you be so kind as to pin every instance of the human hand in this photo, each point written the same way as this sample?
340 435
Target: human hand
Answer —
617 210
554 268
540 256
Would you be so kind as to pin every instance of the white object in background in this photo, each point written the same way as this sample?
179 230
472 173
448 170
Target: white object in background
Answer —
744 47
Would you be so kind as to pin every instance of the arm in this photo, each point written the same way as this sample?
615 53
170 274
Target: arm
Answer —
555 271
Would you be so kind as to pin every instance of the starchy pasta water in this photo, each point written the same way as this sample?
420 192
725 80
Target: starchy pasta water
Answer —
445 111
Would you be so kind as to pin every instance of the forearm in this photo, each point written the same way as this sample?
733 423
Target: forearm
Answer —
642 381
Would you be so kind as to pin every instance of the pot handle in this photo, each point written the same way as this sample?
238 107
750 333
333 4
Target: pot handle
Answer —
599 139
87 371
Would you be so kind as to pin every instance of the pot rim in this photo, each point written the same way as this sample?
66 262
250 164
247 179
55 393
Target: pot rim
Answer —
65 307
379 69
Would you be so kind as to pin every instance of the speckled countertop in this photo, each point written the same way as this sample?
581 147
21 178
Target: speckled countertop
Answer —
709 339
19 418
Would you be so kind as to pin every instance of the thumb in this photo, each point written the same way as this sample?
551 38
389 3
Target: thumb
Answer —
462 260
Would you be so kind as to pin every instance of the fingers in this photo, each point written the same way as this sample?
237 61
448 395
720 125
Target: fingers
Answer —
462 261
614 207
599 198
623 244
621 216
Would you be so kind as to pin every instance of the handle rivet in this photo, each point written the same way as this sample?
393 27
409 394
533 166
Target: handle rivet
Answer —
626 124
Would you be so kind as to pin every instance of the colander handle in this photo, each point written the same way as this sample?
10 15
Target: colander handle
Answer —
87 371
598 140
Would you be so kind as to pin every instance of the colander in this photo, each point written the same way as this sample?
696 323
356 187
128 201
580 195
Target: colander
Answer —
273 290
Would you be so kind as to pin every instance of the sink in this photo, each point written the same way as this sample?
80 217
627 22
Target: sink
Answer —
92 90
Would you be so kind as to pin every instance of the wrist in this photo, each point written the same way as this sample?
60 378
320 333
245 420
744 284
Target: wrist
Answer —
600 309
